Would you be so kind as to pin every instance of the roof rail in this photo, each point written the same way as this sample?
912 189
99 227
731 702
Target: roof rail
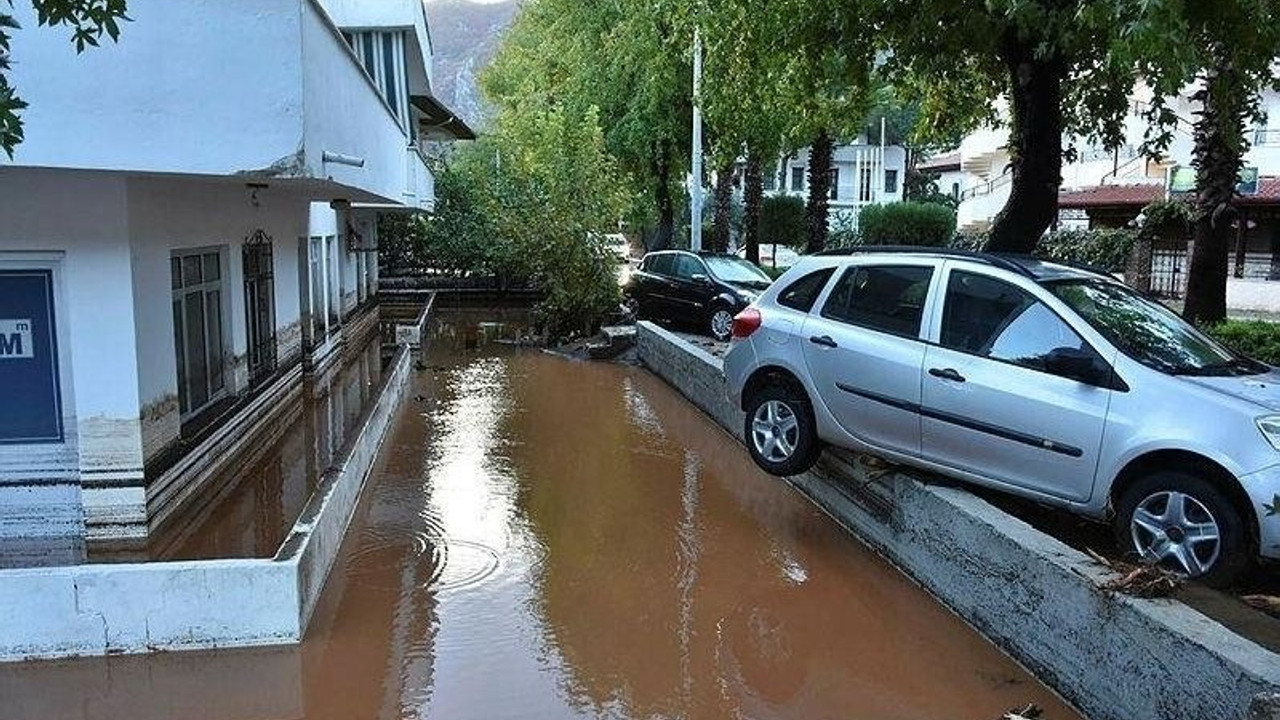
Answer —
1004 262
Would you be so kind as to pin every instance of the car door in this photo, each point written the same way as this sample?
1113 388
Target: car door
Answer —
650 284
691 287
864 351
991 406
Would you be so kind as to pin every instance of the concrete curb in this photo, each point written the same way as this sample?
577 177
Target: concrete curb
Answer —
1115 657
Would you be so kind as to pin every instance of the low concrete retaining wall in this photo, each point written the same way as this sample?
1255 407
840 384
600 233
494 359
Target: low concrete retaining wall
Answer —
141 607
1113 656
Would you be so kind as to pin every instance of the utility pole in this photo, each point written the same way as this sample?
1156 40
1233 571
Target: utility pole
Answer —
695 189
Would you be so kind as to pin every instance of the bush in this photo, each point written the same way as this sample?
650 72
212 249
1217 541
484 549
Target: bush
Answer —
1258 339
907 223
1105 249
782 221
973 241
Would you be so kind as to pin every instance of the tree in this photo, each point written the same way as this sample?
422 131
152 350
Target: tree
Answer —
89 20
629 62
1227 48
1050 59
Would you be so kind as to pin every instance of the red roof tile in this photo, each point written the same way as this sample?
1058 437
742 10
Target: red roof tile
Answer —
1110 196
1268 193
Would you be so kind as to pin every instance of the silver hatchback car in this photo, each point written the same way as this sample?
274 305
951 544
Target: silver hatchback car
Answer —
1051 382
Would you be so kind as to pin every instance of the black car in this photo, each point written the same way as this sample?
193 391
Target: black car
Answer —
703 287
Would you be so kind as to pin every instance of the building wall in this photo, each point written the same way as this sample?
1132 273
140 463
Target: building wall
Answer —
76 223
167 215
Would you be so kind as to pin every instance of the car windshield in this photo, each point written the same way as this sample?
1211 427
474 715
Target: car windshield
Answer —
1148 331
735 270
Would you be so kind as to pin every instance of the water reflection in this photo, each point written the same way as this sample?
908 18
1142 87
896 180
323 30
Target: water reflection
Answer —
548 539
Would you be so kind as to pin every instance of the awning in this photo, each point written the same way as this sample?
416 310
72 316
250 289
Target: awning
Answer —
440 123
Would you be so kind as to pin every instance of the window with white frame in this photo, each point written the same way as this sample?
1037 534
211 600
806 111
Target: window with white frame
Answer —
797 179
835 183
199 327
382 54
890 182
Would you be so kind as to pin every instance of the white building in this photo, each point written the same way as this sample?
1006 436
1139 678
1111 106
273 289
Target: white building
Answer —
189 221
864 174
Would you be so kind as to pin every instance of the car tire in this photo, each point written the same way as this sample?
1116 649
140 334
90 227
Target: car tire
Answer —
1169 517
780 432
720 323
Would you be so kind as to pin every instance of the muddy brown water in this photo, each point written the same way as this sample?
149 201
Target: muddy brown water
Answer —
552 539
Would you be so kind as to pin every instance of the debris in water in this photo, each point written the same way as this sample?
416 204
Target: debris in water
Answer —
1268 604
1030 712
1146 581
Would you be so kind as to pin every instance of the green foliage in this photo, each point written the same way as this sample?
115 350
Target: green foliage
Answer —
1106 249
922 186
1167 219
1257 339
907 223
973 241
530 201
89 20
782 221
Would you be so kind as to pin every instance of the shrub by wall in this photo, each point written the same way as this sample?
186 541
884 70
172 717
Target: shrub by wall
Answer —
1258 339
907 223
1106 249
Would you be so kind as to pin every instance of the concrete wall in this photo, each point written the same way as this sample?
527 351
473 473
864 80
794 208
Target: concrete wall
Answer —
1113 656
135 608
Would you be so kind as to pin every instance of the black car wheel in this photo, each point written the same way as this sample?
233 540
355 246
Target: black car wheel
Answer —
779 431
1184 522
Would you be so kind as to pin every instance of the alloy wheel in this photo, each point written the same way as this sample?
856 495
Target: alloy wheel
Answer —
721 324
775 431
1177 530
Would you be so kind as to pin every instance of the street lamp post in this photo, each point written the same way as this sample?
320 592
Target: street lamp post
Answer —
695 189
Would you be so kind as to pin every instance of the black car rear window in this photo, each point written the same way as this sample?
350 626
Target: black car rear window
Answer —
660 264
803 293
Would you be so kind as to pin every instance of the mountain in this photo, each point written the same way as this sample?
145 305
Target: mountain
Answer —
464 36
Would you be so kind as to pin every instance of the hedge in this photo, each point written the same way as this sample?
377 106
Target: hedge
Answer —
1103 248
907 223
1257 339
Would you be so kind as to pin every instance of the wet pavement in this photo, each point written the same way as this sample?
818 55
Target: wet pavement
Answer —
545 538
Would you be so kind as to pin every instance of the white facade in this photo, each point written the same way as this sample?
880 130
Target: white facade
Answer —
984 158
865 174
203 196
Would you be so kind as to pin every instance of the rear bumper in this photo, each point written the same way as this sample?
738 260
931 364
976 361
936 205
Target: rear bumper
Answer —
1263 489
738 364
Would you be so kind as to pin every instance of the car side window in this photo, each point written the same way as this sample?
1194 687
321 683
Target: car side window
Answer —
881 297
991 318
659 264
803 293
687 266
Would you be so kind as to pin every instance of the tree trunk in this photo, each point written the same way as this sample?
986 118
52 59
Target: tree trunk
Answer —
1035 146
661 166
752 200
1219 144
817 209
724 201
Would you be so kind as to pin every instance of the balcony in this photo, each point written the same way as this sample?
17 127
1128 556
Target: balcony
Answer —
172 97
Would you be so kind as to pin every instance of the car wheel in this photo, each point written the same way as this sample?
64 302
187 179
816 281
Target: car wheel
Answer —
721 323
1183 522
779 431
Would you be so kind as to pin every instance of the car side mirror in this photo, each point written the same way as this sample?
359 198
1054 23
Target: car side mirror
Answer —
1076 364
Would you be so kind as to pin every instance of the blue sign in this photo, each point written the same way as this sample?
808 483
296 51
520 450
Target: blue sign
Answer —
30 396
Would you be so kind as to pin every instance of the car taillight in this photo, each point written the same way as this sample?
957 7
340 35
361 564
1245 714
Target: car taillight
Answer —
745 323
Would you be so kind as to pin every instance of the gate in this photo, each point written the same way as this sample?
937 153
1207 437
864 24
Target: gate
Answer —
259 306
1168 273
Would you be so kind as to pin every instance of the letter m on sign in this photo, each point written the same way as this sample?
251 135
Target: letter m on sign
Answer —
15 340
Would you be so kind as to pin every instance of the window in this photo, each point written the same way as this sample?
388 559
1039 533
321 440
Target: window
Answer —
993 319
881 297
955 190
797 179
663 264
864 187
803 293
390 85
381 54
686 266
770 181
835 183
196 279
890 182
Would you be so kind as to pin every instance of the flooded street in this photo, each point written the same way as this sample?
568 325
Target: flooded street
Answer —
544 538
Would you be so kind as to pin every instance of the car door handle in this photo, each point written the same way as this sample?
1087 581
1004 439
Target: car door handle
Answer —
824 341
946 374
